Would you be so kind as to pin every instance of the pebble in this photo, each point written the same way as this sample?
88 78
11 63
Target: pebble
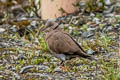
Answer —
33 23
58 69
22 18
2 30
87 34
42 75
92 14
107 2
21 56
91 29
39 67
70 29
90 51
109 28
42 67
4 45
96 20
100 4
26 68
82 4
109 10
13 28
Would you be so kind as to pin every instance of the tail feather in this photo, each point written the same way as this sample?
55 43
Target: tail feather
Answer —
84 55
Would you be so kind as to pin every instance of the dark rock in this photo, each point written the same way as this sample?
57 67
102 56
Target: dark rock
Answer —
109 10
26 68
39 67
87 34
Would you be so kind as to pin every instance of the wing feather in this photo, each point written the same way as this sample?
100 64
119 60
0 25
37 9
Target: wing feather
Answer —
62 43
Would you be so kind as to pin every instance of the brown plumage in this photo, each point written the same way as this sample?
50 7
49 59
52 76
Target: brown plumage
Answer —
61 44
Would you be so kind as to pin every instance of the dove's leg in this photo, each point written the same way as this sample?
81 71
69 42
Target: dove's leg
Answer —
61 56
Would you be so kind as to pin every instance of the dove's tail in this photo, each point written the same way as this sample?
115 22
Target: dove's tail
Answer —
84 55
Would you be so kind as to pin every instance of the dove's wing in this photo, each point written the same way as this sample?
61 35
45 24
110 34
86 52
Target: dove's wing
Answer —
76 42
61 42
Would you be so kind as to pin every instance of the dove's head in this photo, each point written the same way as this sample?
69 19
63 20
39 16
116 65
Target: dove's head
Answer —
50 25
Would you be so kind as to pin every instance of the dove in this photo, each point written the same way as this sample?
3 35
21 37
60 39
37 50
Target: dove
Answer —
61 44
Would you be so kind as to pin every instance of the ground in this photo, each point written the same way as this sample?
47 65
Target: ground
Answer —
27 57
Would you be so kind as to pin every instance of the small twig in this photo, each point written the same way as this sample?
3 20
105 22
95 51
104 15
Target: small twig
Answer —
36 10
6 21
